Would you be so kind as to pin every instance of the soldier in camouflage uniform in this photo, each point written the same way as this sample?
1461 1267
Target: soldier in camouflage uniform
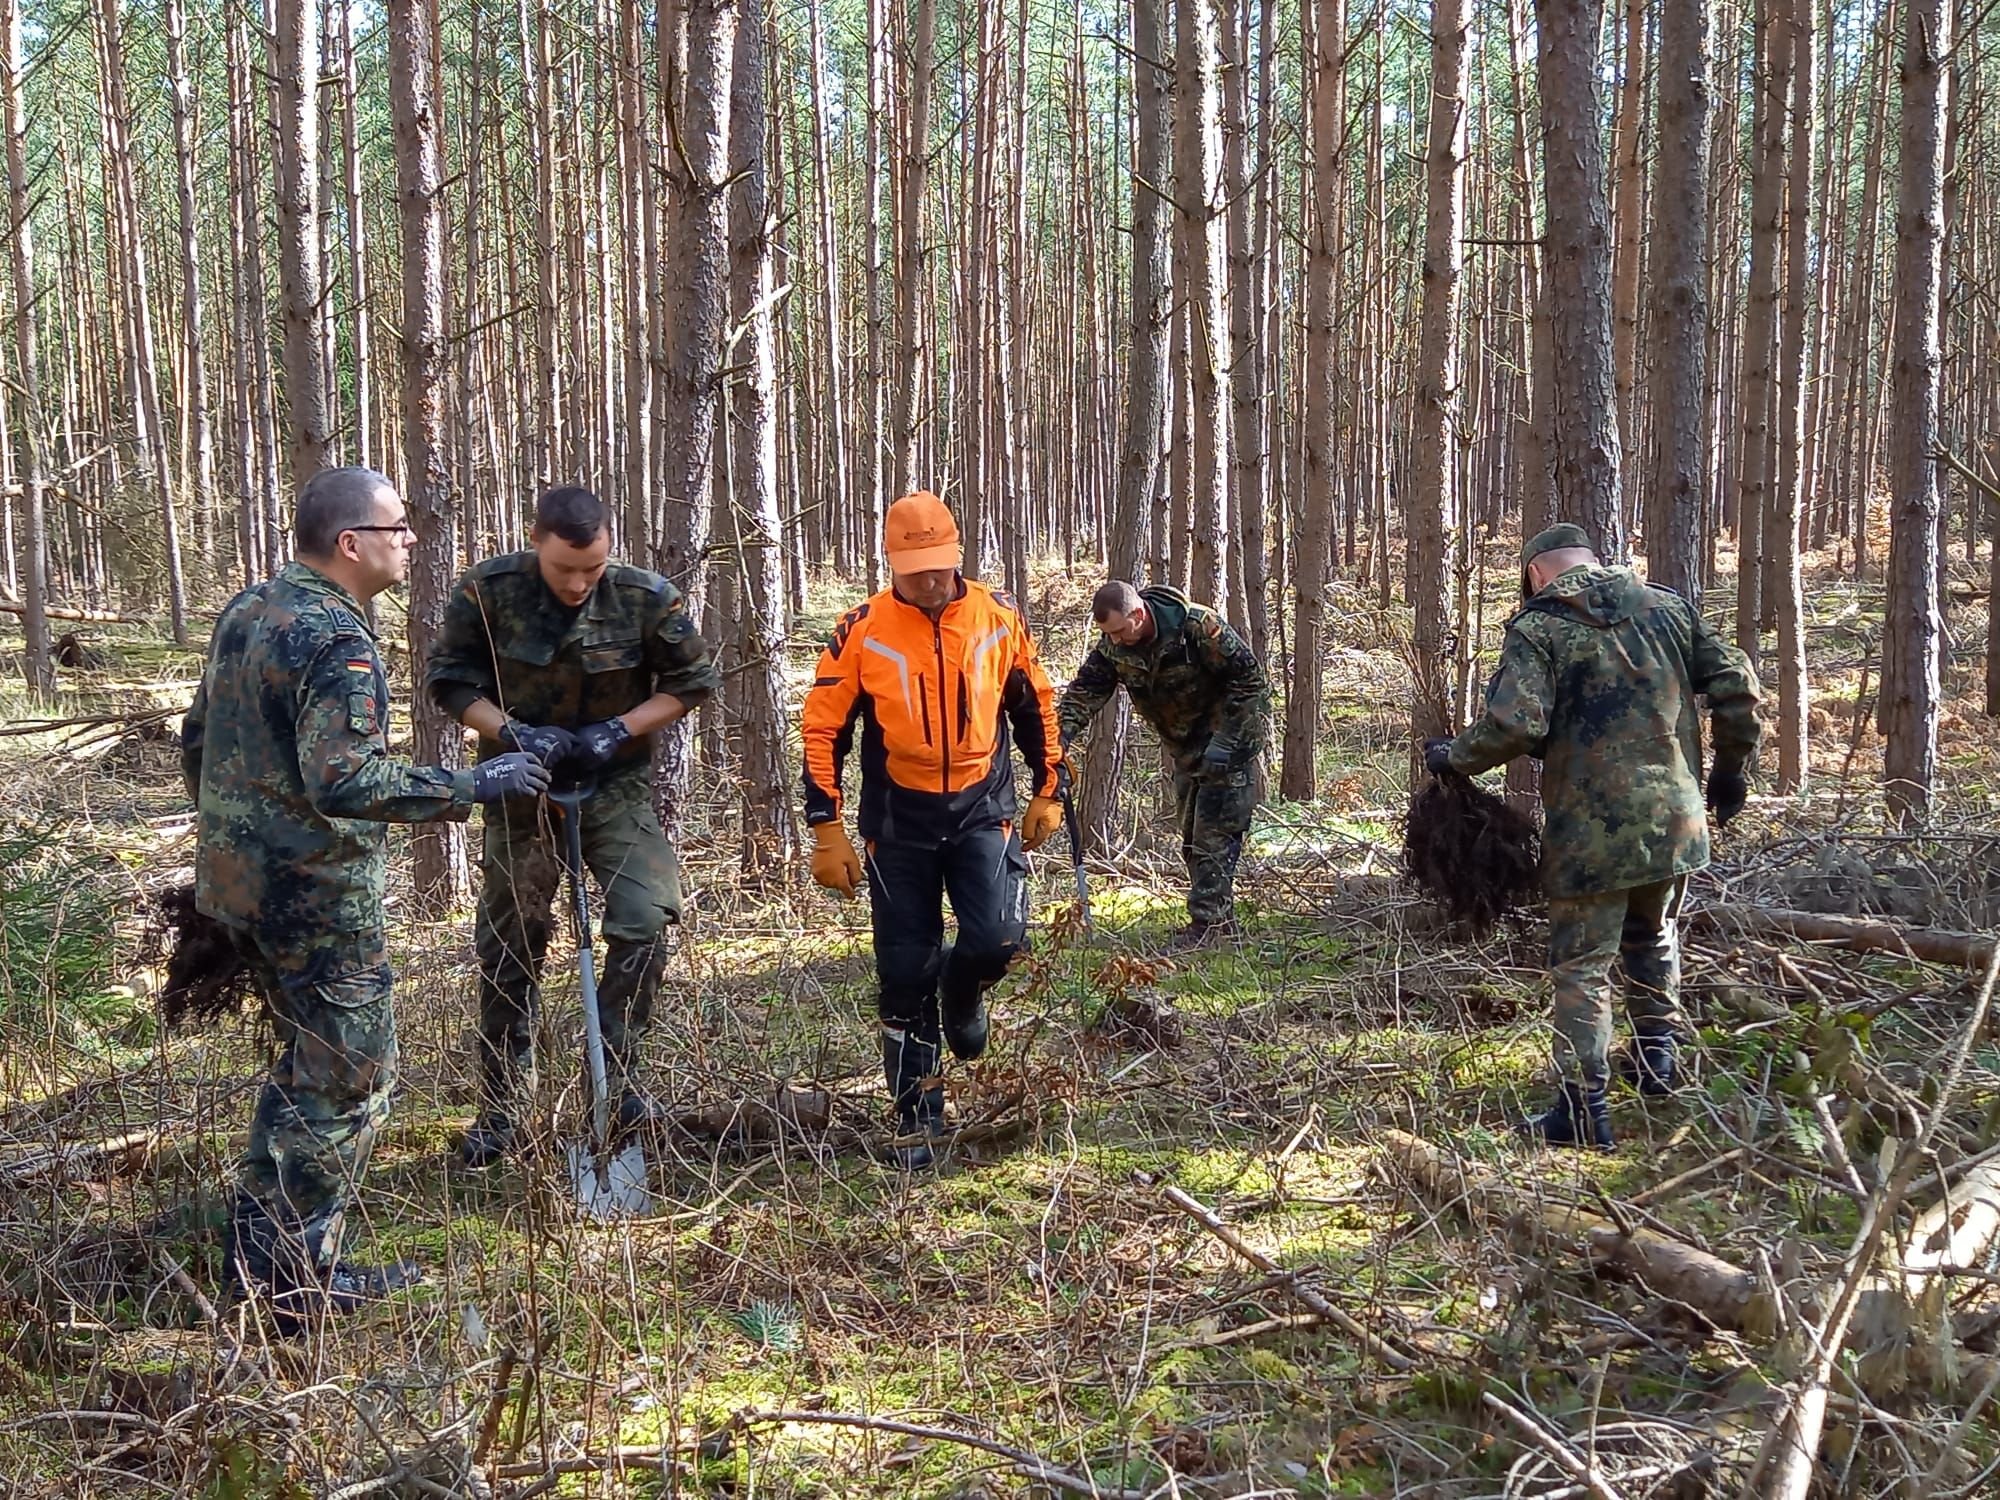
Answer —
285 752
1599 676
1196 681
559 651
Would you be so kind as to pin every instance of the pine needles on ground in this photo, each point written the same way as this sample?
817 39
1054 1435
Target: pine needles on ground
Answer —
1471 853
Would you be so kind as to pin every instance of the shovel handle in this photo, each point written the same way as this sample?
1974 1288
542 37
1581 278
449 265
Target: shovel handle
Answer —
571 800
1075 829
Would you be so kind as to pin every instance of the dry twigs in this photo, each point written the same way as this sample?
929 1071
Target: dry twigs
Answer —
1467 850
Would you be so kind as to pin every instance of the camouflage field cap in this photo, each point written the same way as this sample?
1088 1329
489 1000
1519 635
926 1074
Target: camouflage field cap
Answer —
1554 540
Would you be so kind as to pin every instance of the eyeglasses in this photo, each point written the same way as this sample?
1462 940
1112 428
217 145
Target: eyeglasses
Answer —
400 528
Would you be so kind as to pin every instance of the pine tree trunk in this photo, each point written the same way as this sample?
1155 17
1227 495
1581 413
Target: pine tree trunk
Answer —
1759 346
912 253
769 836
700 313
1583 423
1327 75
294 64
1628 212
1197 196
1251 456
1912 628
1679 499
361 347
1437 374
38 664
1145 383
875 413
1783 526
438 848
194 385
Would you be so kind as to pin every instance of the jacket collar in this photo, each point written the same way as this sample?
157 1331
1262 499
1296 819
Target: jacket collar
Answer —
305 576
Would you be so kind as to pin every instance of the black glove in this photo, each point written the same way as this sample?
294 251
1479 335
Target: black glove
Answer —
515 774
596 744
548 743
1217 761
1437 756
1727 791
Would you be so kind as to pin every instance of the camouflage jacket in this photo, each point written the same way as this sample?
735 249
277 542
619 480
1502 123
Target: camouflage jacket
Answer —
1598 676
507 639
1195 681
285 751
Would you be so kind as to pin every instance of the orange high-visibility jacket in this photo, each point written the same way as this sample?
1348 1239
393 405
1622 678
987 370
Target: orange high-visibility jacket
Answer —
934 700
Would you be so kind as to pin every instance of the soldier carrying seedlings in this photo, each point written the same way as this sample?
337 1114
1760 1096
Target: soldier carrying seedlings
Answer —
923 681
581 661
285 751
1599 676
1197 682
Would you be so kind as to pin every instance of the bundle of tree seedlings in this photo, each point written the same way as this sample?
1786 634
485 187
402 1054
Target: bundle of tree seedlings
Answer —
207 978
1469 852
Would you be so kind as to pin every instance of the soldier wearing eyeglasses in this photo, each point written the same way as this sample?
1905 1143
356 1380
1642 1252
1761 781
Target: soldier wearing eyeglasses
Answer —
285 752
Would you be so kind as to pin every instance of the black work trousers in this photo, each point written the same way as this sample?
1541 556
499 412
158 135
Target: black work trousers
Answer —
985 873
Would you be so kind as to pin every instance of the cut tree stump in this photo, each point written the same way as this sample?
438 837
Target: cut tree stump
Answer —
1901 1335
1967 950
1726 1295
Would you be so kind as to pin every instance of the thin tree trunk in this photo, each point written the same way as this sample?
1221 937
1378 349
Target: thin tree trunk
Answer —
1783 527
361 347
1759 347
1247 246
1327 75
1583 425
1628 214
294 66
194 384
1437 376
438 849
912 254
37 662
1196 104
1912 628
1679 500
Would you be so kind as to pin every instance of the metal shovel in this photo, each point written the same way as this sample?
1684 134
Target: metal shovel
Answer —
606 1181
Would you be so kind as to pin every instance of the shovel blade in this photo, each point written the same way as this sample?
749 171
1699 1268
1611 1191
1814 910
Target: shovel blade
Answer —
608 1186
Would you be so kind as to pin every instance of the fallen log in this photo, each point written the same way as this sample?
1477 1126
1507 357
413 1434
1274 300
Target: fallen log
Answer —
1902 1334
1725 1294
1966 950
81 1161
81 616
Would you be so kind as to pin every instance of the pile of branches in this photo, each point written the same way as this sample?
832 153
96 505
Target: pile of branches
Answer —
1471 853
207 978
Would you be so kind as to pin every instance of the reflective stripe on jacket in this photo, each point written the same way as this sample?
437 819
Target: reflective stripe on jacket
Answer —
934 701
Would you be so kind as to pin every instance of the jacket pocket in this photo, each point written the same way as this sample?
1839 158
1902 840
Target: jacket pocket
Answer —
612 656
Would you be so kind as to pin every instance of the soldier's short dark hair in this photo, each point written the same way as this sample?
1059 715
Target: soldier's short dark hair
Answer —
570 512
1114 598
333 501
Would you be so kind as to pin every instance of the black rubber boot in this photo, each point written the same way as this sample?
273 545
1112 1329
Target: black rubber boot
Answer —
962 1009
909 1066
1579 1117
503 1073
1652 1063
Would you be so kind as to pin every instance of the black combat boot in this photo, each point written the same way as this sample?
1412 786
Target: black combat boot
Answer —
962 1009
503 1073
1652 1063
1203 933
638 1114
1579 1117
909 1066
262 1258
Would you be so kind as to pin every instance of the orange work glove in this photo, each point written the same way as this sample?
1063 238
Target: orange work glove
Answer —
1044 818
835 865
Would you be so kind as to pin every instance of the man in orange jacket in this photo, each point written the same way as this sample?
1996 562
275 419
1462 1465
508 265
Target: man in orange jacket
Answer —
930 674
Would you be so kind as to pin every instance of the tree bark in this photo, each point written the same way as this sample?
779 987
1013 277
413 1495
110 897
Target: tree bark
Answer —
1783 527
1759 347
1328 77
1583 422
1196 194
1250 456
1628 211
769 836
912 255
360 347
294 66
1679 500
438 848
1911 631
38 664
1437 374
194 382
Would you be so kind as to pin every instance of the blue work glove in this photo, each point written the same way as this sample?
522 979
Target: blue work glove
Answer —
1437 756
596 744
515 774
548 743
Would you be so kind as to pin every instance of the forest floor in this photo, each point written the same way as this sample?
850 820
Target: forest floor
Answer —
1039 1307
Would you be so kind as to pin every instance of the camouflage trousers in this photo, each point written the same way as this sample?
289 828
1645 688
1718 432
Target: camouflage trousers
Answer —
1587 934
317 1116
521 864
1213 815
